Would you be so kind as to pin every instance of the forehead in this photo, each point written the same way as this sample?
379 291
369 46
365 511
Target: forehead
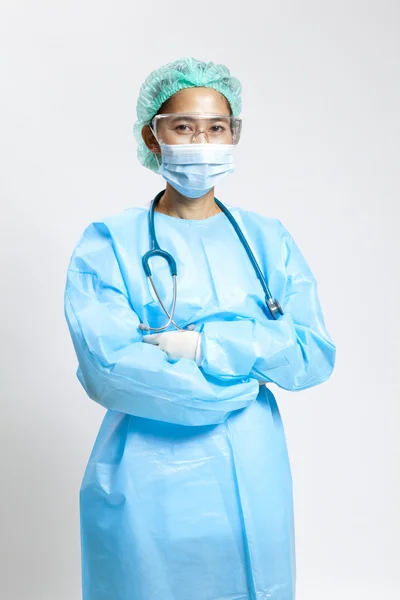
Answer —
201 100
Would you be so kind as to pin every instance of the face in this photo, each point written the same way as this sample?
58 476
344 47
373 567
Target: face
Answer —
178 130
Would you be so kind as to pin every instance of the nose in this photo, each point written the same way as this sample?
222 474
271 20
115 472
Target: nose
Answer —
197 135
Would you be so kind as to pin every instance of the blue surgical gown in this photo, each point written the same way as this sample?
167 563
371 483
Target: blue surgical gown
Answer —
187 494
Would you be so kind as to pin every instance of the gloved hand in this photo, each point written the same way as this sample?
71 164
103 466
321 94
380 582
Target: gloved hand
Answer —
177 344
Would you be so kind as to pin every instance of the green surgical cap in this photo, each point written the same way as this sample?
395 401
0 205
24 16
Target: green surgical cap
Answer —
162 83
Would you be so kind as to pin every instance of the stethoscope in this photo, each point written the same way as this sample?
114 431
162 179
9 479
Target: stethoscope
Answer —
273 305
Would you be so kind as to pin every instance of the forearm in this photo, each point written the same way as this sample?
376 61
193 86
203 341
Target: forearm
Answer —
138 379
292 356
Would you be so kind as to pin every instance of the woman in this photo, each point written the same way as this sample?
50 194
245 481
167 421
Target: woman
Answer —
187 494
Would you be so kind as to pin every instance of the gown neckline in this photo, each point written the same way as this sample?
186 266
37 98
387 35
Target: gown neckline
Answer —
191 222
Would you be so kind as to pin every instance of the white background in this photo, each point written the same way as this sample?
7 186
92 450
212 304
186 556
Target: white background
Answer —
319 151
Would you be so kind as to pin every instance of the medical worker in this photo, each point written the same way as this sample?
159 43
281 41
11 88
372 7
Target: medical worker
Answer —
187 494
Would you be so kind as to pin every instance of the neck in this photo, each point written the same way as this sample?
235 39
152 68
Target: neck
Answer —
187 208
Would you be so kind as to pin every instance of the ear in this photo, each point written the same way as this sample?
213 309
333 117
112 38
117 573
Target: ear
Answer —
150 140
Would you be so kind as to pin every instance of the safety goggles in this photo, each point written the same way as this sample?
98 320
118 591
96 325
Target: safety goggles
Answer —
188 128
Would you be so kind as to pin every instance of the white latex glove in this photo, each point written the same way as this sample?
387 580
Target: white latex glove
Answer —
177 344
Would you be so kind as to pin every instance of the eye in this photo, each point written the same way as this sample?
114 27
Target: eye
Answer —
218 128
182 127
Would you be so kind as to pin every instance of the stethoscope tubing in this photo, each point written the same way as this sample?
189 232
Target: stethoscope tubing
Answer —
273 305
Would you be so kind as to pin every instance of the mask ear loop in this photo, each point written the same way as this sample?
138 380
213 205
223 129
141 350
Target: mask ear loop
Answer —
155 137
158 163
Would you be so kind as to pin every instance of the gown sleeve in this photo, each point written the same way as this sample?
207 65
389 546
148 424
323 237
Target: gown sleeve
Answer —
295 352
115 368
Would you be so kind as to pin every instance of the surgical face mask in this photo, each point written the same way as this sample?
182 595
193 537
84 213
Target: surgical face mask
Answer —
194 169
